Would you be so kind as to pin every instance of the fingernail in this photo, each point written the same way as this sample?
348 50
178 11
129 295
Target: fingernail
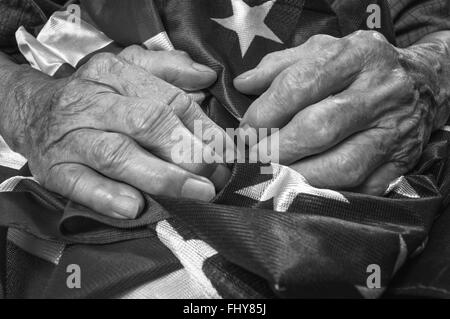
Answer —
202 68
125 206
220 176
246 75
196 189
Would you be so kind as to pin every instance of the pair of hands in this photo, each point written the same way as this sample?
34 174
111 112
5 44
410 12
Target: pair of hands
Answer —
353 113
105 133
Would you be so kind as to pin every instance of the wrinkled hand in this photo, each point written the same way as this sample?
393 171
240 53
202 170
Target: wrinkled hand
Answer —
105 132
353 113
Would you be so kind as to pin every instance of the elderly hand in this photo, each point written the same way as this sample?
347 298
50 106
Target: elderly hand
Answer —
353 113
103 134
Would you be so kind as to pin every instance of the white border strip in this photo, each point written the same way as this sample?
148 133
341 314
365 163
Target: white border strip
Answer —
50 251
192 254
160 41
176 285
10 159
11 183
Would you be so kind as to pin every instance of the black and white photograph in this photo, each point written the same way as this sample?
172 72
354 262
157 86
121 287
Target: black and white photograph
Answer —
225 154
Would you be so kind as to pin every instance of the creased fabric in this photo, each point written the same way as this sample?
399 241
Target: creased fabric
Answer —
265 235
240 246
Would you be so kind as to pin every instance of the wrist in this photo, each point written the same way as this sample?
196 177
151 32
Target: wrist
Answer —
24 94
428 63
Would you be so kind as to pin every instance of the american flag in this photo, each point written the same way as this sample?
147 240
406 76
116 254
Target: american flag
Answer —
264 235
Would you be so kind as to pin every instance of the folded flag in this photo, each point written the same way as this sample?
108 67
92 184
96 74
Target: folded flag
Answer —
265 235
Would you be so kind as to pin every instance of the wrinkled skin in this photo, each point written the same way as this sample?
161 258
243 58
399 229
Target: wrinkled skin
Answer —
103 135
354 113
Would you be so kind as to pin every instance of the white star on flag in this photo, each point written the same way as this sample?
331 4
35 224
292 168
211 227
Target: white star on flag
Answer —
192 254
248 22
284 187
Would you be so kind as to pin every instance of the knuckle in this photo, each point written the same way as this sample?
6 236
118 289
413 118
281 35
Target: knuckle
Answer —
365 40
361 34
403 86
111 62
179 54
366 35
402 166
345 43
104 58
132 52
73 100
376 36
149 120
133 49
328 135
67 92
270 58
358 40
318 39
167 181
300 75
64 179
281 92
395 133
50 179
288 83
71 94
408 149
369 44
406 158
174 72
323 129
353 172
110 151
98 64
181 103
315 38
405 138
161 185
73 85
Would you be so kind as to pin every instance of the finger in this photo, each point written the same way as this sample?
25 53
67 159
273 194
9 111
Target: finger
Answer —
379 181
83 185
131 81
302 84
156 127
198 96
153 123
257 80
321 46
348 164
120 158
321 126
175 67
203 127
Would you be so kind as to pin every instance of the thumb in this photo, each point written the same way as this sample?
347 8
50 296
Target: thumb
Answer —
85 186
258 80
175 67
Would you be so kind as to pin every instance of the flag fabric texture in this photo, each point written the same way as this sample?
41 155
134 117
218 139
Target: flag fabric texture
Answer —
264 235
